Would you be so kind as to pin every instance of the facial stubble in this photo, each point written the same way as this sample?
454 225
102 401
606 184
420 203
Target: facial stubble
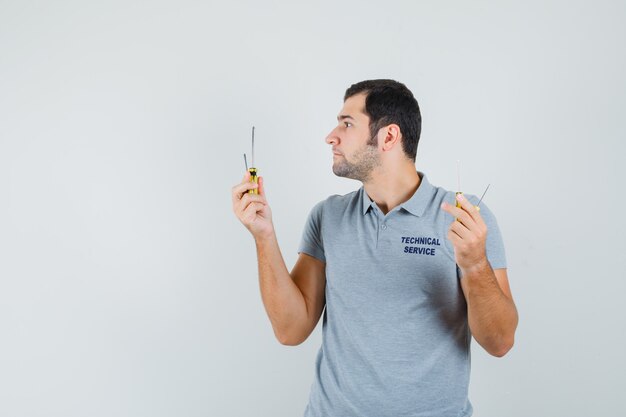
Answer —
365 160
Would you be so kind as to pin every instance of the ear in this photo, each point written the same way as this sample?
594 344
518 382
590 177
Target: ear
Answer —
392 136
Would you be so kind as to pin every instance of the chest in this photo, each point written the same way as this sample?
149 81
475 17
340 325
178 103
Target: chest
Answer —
399 258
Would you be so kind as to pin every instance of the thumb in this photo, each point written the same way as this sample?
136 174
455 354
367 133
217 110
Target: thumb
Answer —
261 186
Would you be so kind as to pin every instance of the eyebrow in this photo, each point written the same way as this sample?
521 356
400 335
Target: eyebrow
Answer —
344 116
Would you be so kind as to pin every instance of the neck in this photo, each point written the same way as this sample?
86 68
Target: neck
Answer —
389 188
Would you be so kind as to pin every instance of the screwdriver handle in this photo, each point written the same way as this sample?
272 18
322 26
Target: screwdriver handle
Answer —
255 179
459 204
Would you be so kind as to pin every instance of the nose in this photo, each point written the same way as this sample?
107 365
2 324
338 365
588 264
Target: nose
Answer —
332 138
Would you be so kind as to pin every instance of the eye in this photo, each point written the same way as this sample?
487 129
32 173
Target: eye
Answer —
348 124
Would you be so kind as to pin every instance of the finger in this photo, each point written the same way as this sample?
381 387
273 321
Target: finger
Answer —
460 214
461 230
251 211
450 209
251 198
261 186
455 239
469 208
244 180
242 188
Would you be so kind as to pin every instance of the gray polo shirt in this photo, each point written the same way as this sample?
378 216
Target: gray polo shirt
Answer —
396 340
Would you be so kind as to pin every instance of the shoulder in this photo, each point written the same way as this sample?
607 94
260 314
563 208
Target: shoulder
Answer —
441 195
339 203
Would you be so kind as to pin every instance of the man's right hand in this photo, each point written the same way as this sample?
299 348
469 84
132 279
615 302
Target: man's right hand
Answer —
252 209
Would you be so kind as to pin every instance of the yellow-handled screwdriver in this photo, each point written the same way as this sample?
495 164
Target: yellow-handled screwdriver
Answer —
458 173
458 183
477 206
252 170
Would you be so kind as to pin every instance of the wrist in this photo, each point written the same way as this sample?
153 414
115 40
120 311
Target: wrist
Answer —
476 268
265 237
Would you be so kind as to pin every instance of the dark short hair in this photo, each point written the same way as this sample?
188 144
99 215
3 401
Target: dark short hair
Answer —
388 102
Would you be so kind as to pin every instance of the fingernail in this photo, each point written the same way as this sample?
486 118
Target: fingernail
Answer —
443 205
459 197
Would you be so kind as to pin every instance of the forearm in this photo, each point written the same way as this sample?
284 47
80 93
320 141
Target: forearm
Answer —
284 303
492 316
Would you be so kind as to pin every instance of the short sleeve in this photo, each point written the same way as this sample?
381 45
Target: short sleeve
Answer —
312 242
495 246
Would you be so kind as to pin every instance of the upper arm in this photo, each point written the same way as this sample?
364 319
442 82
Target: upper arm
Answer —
309 275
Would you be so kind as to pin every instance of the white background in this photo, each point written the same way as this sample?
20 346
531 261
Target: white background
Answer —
129 288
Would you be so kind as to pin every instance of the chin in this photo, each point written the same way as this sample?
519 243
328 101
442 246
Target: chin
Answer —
339 172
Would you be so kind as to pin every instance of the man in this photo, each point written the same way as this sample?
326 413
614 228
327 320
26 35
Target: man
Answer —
406 277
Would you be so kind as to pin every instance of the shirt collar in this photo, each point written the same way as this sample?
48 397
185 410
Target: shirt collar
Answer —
415 205
366 201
